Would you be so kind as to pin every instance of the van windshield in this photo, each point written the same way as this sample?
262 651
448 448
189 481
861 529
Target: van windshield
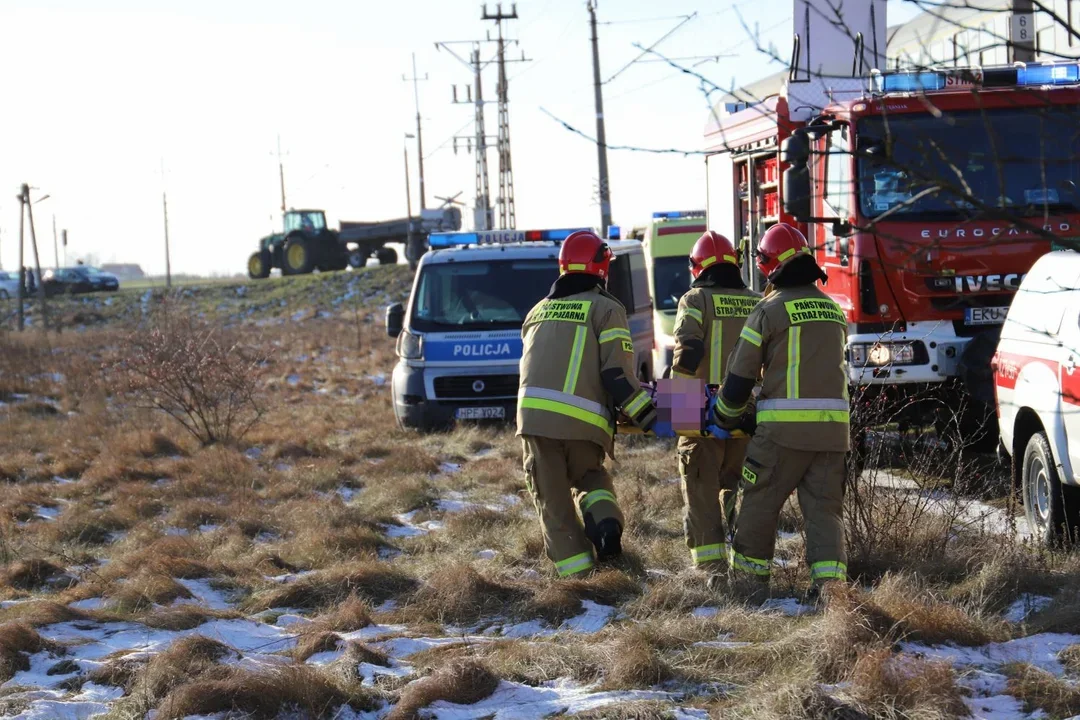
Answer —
671 280
480 294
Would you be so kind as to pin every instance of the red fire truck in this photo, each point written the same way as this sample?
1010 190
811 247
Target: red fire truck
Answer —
927 195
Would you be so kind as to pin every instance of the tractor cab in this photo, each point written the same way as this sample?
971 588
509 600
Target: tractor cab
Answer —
308 222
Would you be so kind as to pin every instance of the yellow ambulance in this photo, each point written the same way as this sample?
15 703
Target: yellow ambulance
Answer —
668 240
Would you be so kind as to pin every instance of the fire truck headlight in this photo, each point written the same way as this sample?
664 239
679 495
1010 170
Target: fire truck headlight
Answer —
881 354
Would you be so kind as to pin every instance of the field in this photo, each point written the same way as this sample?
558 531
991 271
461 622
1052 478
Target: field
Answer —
291 553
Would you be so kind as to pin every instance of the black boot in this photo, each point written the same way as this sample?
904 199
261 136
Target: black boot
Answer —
606 537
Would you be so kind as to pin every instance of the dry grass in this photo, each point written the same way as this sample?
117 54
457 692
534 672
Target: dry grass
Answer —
374 582
1070 659
463 682
318 641
17 642
266 694
30 574
134 481
350 615
1039 690
887 685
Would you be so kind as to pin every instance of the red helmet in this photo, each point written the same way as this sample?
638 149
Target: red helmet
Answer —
584 252
711 248
779 245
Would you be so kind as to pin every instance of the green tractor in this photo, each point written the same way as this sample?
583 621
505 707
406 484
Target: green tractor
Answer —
307 244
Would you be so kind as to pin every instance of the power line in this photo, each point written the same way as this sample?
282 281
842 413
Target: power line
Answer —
665 36
632 148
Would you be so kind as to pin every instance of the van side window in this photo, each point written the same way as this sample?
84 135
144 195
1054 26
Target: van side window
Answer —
640 280
620 284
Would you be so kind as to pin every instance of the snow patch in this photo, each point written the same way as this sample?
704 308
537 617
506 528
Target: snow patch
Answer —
513 701
487 554
705 612
52 705
94 603
787 606
206 594
1039 650
1026 604
293 380
595 618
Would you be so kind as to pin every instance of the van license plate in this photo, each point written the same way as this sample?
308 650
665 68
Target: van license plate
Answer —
985 315
481 413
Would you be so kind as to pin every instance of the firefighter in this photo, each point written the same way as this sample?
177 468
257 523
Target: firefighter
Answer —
795 337
576 368
710 317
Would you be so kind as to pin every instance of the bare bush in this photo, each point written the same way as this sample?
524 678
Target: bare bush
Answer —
909 486
196 374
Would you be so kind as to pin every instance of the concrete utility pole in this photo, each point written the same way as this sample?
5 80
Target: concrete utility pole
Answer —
281 177
63 240
165 214
1022 35
55 244
507 214
20 291
419 135
482 219
601 136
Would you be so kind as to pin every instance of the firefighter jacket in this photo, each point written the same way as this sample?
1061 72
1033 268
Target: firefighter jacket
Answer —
707 327
797 335
577 367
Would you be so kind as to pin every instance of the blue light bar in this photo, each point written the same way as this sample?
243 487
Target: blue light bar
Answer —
1053 74
614 232
497 237
910 82
678 214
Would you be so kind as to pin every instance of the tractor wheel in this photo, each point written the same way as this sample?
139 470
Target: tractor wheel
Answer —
259 265
357 259
386 256
297 258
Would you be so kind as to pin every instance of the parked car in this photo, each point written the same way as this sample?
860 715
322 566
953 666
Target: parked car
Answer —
1037 387
79 279
9 285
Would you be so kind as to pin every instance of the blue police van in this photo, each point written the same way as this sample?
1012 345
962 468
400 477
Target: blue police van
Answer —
459 337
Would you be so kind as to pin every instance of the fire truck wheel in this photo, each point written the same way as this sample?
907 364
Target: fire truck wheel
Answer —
1052 509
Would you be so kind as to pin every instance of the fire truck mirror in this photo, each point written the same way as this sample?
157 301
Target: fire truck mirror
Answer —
843 244
797 192
795 150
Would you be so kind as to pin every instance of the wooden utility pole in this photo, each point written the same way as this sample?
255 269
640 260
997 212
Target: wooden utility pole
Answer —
601 135
37 261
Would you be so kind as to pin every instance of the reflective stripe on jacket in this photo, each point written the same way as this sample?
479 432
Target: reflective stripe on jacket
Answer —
798 335
568 343
709 318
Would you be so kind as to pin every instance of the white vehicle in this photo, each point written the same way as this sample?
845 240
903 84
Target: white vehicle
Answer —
9 285
459 339
1037 385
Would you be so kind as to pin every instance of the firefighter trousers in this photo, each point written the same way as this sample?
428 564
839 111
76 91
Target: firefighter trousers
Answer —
769 475
710 471
565 477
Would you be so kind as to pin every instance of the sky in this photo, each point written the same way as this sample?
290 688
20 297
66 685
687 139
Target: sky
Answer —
100 95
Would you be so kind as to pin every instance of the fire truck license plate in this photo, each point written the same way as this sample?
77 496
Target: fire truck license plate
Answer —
481 413
985 315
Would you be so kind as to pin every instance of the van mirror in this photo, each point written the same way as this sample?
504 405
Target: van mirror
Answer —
395 319
797 192
795 150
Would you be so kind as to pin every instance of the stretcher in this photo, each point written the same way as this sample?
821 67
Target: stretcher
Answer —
681 401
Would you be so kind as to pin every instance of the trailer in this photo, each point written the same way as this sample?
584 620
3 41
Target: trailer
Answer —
307 244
